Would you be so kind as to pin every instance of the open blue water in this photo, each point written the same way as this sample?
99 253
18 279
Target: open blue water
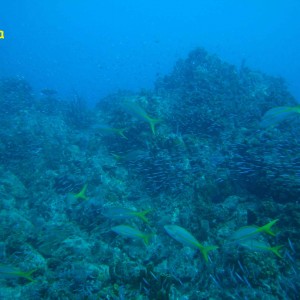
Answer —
96 47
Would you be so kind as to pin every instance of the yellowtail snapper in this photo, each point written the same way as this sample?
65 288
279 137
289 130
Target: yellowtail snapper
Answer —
118 213
247 232
181 235
131 232
257 245
7 271
278 114
107 130
134 109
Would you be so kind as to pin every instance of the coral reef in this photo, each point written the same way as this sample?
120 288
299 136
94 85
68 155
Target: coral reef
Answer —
191 153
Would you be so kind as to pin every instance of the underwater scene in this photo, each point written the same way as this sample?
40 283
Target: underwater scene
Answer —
186 191
149 150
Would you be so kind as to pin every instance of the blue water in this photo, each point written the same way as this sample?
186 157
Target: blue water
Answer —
96 47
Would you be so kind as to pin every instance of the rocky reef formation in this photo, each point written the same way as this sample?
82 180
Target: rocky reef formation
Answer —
192 151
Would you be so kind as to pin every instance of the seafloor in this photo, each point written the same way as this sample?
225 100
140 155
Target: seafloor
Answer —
206 164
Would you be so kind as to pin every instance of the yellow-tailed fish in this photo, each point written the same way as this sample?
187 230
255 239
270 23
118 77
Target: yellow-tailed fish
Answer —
119 213
12 272
104 129
134 109
181 235
131 232
247 232
278 114
257 245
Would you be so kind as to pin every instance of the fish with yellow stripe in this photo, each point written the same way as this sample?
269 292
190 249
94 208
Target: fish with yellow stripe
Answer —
278 114
131 232
134 109
7 271
260 246
184 237
250 237
118 213
252 231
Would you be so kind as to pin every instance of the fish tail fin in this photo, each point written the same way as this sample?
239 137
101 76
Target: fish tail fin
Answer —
27 275
205 249
276 249
142 215
267 228
146 238
82 194
121 133
153 123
